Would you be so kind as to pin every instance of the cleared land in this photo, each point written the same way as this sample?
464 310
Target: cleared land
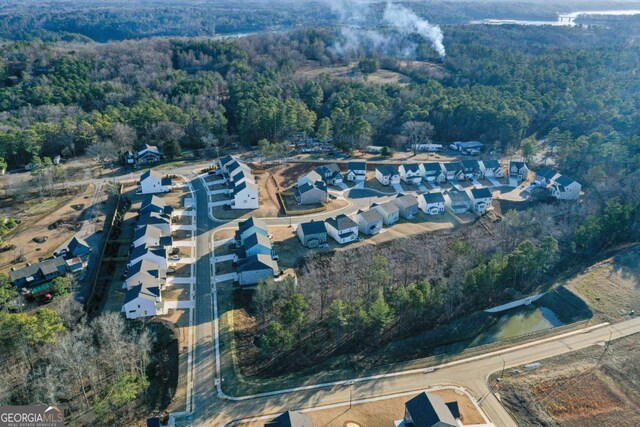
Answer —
385 412
597 386
351 72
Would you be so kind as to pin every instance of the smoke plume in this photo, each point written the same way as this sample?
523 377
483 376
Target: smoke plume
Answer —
407 22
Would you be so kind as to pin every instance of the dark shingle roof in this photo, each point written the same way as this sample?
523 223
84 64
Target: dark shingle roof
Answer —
258 262
433 198
150 293
411 167
352 166
291 419
341 222
491 164
454 166
432 167
470 165
251 222
564 180
313 227
458 196
427 410
386 170
47 266
481 193
370 216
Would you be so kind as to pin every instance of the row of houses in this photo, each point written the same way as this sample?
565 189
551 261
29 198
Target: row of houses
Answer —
560 186
34 280
438 172
344 230
255 257
147 155
243 188
423 410
312 187
148 262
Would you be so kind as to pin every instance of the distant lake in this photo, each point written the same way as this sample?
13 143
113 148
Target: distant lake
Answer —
564 19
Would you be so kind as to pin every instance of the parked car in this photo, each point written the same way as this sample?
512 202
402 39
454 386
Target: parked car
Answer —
175 257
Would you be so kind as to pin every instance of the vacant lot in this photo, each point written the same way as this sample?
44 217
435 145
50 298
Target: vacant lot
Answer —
612 286
351 72
384 412
597 386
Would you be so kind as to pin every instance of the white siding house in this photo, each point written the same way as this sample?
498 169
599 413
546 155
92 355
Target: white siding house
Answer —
245 196
565 188
431 203
342 229
387 175
410 173
152 182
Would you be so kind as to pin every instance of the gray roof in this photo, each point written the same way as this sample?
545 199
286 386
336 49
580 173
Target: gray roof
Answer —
148 267
76 243
406 200
341 222
306 187
314 176
470 165
517 163
313 227
258 262
564 180
387 170
481 193
458 196
251 222
255 239
245 184
433 198
48 266
428 409
143 249
389 207
453 166
411 167
290 419
491 164
370 216
150 218
546 173
353 166
152 173
139 291
432 167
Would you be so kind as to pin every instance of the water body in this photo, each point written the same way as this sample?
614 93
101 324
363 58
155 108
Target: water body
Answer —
520 321
564 19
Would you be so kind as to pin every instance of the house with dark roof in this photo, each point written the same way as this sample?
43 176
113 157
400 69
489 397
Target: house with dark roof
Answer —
143 301
149 154
234 168
565 188
370 221
38 273
157 255
245 196
407 205
387 175
78 247
330 174
491 169
256 268
453 170
518 170
150 235
356 171
433 172
147 273
432 203
153 203
471 169
254 244
458 201
481 200
314 193
152 182
290 419
389 211
248 227
342 229
312 234
544 177
410 173
427 410
162 221
223 162
128 158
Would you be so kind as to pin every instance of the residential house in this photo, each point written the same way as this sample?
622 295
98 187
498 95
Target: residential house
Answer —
410 173
468 147
157 255
565 188
342 229
149 154
78 247
432 203
310 178
248 227
429 410
129 158
256 268
145 271
453 170
245 196
407 205
143 301
518 170
433 172
221 166
491 169
234 168
369 222
330 174
241 177
75 264
471 169
356 171
152 182
387 175
307 194
481 200
162 221
458 201
153 203
389 211
544 177
38 273
312 234
151 236
254 244
290 419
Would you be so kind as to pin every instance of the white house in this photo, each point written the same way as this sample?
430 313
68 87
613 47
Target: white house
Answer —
342 229
152 182
458 201
433 172
248 227
387 174
369 222
330 173
235 168
143 301
145 272
491 169
356 171
431 203
518 170
162 221
545 176
389 211
453 170
481 200
565 188
157 255
151 235
471 169
254 244
245 196
410 173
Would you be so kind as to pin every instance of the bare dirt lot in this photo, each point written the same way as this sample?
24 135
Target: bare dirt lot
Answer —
597 386
37 216
385 411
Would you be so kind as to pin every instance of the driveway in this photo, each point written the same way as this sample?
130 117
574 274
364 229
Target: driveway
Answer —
434 185
456 184
398 188
226 277
223 258
178 305
475 183
422 188
342 186
220 191
494 181
219 203
513 182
